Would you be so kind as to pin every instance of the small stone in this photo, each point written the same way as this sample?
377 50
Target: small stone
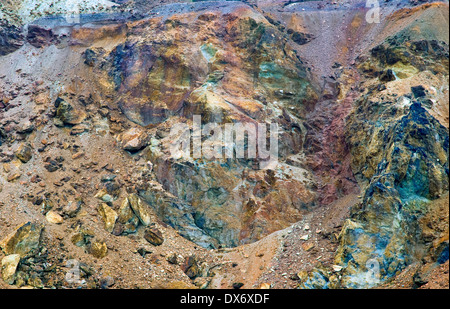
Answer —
24 153
51 166
109 216
307 246
9 267
6 168
154 236
98 249
143 251
190 267
107 282
202 283
337 268
79 129
41 99
54 217
127 218
104 196
173 259
67 114
265 286
305 237
77 155
21 279
35 282
133 140
27 127
72 208
82 237
108 178
139 209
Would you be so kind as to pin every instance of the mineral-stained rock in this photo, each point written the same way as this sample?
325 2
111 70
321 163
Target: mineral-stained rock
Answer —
35 281
12 177
104 196
24 153
154 236
108 215
173 259
9 267
384 226
318 278
235 35
400 154
72 208
418 91
191 267
25 240
82 237
177 214
233 63
67 113
133 139
98 249
127 218
140 209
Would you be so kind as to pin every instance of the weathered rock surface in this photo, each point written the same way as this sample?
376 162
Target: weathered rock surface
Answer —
108 215
24 153
154 236
11 38
140 209
54 217
67 114
25 240
400 156
98 249
9 267
133 140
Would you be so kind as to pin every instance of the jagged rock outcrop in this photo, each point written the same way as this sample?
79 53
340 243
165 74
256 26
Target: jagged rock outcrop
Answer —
400 155
412 170
163 70
11 38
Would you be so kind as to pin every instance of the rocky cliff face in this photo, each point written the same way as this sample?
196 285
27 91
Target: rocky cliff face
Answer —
88 102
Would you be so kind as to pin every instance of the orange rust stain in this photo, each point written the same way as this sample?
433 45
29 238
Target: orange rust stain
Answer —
90 35
407 12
